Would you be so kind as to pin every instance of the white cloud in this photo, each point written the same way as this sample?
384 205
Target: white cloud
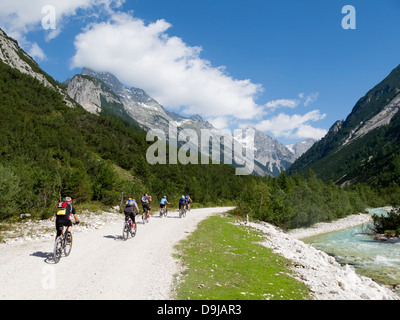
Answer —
18 18
294 126
292 103
36 52
219 122
311 98
166 67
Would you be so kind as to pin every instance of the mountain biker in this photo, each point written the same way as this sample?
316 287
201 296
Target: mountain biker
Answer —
182 202
188 201
164 202
145 200
131 208
63 217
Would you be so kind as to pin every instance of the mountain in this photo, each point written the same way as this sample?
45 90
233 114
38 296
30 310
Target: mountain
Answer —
52 147
12 55
96 90
137 103
299 148
271 154
365 147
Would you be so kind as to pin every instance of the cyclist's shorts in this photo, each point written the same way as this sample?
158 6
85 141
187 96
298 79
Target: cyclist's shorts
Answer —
60 224
146 206
162 205
130 215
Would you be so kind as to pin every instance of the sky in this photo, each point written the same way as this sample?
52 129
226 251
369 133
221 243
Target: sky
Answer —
291 68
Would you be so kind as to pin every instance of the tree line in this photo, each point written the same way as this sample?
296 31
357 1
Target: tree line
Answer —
300 201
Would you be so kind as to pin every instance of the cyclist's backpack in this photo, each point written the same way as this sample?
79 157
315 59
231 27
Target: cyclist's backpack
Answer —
62 209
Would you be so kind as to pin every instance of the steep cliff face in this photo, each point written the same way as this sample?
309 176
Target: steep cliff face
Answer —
354 149
12 55
271 153
140 106
89 92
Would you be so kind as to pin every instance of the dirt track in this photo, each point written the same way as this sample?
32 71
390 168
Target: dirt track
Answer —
101 264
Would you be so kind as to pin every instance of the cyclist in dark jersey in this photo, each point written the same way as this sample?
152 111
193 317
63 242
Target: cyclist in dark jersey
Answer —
145 200
182 202
131 208
63 217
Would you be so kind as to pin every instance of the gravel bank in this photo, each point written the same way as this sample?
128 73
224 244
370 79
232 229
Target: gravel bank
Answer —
326 278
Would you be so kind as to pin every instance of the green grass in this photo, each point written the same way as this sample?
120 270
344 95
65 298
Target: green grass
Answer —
224 261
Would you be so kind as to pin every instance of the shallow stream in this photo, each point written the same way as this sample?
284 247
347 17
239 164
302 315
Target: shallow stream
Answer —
377 260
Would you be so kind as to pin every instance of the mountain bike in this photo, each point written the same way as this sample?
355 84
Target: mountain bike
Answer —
145 216
129 228
62 245
163 212
182 212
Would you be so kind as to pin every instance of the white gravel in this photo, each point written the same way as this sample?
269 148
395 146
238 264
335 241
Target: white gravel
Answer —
101 265
327 279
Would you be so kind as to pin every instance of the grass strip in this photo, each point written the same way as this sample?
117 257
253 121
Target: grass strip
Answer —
224 261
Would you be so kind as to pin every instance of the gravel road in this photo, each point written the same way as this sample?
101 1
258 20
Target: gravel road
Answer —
101 264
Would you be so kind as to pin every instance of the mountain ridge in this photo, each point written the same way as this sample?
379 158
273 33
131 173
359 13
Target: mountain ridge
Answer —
353 148
271 156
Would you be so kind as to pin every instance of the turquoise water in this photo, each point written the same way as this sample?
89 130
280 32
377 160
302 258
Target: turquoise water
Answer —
377 260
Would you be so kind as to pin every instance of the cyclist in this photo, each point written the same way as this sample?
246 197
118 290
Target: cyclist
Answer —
188 201
145 200
131 208
163 203
63 217
182 202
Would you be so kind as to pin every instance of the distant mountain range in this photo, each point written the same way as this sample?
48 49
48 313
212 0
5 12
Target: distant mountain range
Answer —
94 90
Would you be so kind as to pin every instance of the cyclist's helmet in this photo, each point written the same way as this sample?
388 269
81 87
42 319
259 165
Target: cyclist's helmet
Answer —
61 205
165 197
68 199
183 197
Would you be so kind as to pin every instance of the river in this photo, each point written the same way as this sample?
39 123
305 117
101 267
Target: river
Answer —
377 260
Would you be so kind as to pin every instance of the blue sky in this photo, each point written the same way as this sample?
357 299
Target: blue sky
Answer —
288 67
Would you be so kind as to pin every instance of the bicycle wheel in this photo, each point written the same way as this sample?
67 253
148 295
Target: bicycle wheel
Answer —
145 217
68 247
57 250
125 231
133 230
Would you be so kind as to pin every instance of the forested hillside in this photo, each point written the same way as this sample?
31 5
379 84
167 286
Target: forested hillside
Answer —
49 150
